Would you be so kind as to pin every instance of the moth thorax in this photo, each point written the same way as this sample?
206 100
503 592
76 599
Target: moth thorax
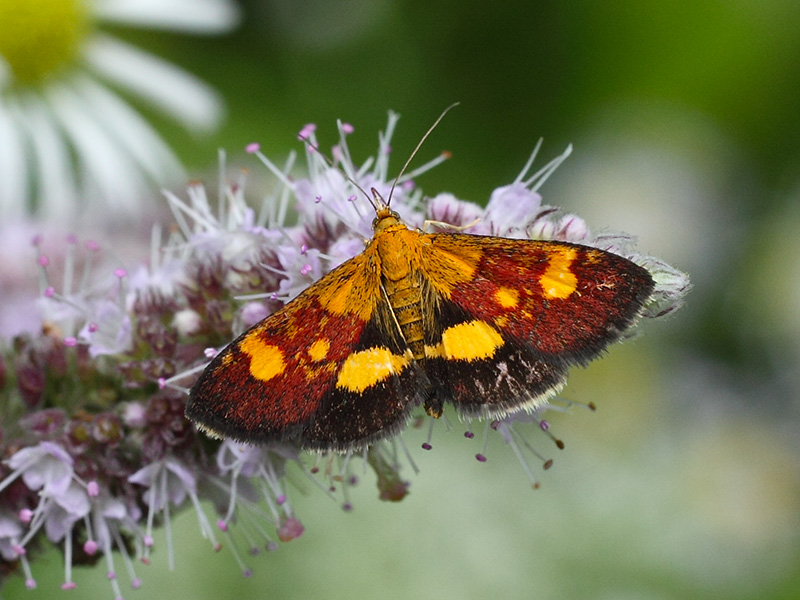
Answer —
405 298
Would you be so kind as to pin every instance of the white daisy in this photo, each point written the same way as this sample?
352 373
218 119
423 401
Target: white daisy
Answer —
66 137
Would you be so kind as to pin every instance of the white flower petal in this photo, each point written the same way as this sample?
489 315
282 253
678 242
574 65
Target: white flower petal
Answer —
113 333
10 531
46 467
197 16
56 191
74 501
183 473
173 90
57 523
132 132
108 172
113 509
146 476
13 168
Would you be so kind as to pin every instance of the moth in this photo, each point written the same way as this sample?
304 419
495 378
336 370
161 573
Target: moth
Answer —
486 324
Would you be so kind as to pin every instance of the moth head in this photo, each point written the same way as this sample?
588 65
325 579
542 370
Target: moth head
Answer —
384 216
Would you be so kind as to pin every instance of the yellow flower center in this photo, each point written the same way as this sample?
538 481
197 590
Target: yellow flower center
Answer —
40 37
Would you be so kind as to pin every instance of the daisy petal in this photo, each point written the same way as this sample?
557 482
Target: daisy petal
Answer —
109 172
139 139
178 93
56 192
13 170
193 16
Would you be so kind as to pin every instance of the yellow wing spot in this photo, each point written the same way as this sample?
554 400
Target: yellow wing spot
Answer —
558 280
436 351
319 349
364 369
266 360
507 297
467 341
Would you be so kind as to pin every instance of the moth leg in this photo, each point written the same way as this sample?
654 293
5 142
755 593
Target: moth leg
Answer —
447 226
434 406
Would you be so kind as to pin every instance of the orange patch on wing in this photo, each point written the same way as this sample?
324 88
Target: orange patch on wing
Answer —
266 360
558 280
451 261
337 301
352 288
319 349
507 297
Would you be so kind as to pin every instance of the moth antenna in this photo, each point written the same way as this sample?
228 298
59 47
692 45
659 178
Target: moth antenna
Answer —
330 162
419 145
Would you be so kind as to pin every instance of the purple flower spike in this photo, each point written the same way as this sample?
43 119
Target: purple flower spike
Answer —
98 452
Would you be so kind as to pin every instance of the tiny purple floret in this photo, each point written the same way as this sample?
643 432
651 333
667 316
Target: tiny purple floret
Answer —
90 547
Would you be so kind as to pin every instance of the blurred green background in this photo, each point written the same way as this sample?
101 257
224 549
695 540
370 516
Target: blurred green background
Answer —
685 117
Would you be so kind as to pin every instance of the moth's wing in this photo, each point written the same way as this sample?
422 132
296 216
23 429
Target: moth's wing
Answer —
481 371
376 388
322 371
513 315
